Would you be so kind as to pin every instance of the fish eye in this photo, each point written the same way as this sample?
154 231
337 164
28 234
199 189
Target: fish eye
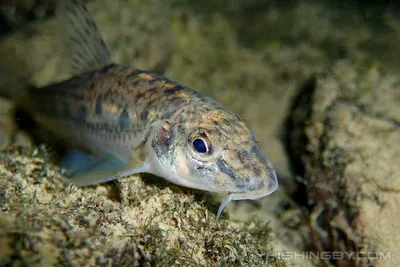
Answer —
200 145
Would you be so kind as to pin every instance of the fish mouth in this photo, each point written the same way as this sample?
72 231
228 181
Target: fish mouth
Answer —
252 191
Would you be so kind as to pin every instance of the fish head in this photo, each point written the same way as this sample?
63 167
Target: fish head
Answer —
213 150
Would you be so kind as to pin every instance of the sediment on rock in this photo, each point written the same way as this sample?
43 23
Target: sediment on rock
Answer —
344 135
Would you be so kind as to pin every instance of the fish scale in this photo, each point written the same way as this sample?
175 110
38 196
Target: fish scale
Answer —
132 121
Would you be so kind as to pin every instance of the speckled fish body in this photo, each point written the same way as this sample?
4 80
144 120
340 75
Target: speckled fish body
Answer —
134 121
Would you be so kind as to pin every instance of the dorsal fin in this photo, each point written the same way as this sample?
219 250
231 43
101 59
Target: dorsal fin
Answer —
87 49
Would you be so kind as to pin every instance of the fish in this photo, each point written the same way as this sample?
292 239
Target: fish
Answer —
121 121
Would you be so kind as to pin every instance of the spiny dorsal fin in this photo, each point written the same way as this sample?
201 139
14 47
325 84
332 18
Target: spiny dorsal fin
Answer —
86 47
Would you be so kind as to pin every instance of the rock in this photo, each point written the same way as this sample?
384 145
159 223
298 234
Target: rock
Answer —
127 223
344 132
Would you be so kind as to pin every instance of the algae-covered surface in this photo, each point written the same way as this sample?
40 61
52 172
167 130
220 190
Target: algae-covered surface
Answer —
351 161
45 223
328 72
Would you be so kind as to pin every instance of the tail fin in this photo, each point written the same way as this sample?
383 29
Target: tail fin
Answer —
86 46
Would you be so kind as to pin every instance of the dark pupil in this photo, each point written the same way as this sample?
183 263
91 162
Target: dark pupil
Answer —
200 145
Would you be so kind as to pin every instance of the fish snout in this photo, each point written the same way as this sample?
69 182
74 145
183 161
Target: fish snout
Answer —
257 186
251 173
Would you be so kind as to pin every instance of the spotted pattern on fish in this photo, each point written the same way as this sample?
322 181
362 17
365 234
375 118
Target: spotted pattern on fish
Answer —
138 121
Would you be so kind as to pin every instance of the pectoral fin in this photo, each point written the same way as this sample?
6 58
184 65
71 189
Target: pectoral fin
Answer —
83 170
